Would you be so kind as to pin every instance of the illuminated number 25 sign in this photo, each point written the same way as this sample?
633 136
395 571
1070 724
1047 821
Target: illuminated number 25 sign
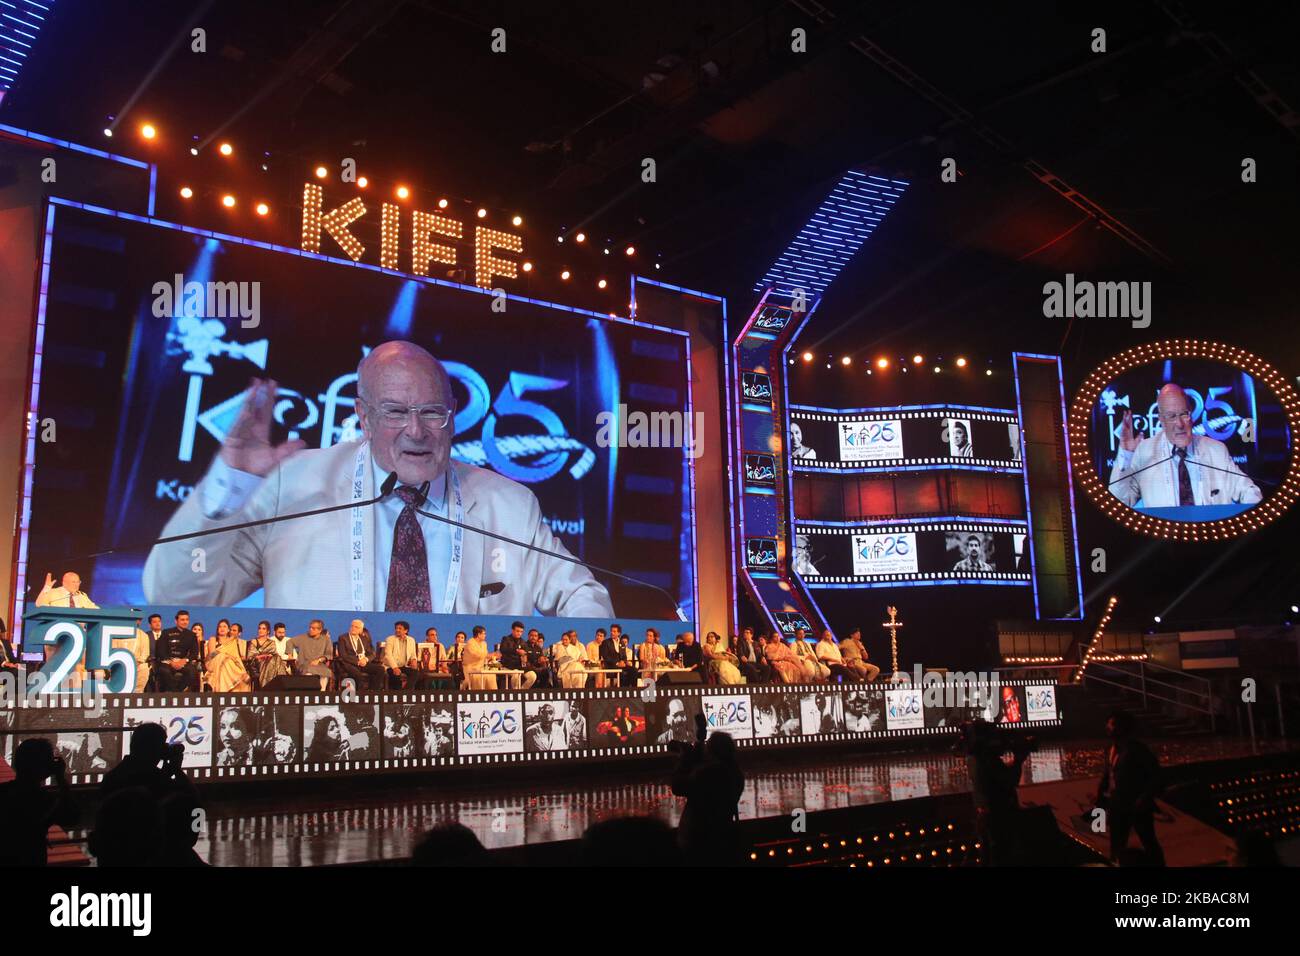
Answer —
434 237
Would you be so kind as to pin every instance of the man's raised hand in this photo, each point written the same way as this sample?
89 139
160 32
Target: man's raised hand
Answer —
247 446
1128 439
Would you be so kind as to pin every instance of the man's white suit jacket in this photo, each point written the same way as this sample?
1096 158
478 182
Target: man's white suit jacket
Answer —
1157 486
305 562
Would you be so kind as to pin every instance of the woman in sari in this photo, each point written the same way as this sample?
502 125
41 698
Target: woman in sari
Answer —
224 654
783 661
264 651
721 663
570 661
814 671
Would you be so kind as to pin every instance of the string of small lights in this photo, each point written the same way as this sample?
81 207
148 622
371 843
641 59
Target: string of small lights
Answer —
1093 645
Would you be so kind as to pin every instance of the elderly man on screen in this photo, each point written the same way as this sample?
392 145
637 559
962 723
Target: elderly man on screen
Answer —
1177 467
384 557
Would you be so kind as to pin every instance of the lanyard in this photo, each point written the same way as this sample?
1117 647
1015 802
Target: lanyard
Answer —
359 566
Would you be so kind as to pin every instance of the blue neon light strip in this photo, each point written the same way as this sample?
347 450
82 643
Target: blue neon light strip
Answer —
833 235
18 29
77 147
903 408
861 585
1008 468
944 519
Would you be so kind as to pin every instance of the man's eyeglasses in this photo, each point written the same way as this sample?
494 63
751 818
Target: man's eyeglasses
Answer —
395 416
1176 417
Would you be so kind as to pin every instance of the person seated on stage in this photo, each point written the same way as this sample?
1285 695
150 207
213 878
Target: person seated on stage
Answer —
511 652
616 655
8 656
282 646
176 656
433 660
224 655
28 808
313 652
474 662
750 655
401 660
828 652
456 658
264 658
593 656
789 668
720 662
688 654
653 657
357 658
814 670
854 653
570 661
535 662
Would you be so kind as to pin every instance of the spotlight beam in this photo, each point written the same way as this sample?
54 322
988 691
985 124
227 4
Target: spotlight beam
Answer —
181 35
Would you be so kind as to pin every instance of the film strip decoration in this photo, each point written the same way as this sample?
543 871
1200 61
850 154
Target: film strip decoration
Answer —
758 457
905 438
233 738
894 554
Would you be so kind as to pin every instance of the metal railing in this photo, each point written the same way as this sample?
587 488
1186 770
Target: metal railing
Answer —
1144 678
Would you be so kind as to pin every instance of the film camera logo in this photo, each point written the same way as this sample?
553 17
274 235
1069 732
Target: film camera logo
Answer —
760 469
756 386
760 554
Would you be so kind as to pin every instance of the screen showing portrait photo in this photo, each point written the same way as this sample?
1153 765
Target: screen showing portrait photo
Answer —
934 435
1189 439
145 384
957 551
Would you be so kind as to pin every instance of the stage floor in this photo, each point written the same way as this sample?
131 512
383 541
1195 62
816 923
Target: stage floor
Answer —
379 823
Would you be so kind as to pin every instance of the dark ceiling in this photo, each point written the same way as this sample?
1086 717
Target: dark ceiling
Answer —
748 137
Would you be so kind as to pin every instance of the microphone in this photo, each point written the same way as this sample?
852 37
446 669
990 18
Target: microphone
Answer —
1130 474
1227 471
500 586
385 490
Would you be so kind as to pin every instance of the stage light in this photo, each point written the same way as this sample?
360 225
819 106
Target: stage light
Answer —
580 237
807 356
108 132
186 192
630 250
148 131
601 284
882 363
225 149
961 363
607 250
402 192
988 371
656 265
517 221
263 209
228 201
936 370
442 204
1295 609
363 182
559 238
527 267
321 172
565 275
482 213
194 151
1157 619
918 359
846 361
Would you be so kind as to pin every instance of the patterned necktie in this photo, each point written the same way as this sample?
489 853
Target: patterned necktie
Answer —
408 570
72 600
1185 496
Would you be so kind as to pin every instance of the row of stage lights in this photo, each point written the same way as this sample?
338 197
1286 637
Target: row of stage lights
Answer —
149 132
883 363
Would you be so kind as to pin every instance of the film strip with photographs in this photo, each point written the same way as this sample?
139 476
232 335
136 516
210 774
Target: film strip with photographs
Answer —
926 551
252 737
915 437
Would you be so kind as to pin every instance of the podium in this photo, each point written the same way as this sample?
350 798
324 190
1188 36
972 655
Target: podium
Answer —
82 634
